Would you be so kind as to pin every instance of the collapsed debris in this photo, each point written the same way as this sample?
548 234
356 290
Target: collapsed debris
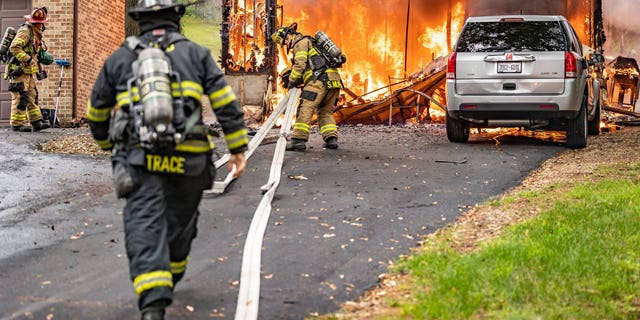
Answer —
410 98
623 76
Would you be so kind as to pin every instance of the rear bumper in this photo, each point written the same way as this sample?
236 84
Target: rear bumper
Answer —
515 107
511 111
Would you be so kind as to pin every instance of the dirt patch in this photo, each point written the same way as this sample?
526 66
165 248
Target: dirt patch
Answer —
73 144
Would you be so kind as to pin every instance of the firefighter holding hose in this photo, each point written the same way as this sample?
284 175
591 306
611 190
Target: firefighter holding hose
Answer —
161 149
314 70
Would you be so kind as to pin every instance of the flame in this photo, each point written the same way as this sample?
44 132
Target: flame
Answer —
435 38
628 71
246 36
383 40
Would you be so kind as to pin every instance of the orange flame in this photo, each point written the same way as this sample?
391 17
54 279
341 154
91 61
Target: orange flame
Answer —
383 40
436 38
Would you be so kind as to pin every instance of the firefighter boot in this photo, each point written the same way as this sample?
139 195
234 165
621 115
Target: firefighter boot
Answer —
296 145
331 143
21 128
154 311
40 125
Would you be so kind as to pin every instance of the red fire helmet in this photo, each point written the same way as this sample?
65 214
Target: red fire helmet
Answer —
38 15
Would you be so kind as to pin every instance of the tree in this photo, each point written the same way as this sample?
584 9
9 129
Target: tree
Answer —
130 26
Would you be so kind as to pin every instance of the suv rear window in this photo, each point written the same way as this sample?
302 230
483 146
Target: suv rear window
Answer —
512 36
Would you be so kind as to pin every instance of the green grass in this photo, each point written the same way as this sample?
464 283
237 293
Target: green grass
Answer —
579 259
204 32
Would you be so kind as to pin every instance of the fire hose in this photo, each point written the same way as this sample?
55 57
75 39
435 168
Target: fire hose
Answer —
249 292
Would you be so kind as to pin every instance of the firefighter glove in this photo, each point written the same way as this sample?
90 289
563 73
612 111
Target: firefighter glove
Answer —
284 77
118 126
122 180
294 84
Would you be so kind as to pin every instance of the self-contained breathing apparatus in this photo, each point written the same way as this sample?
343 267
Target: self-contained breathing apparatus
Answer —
156 121
158 118
332 55
329 55
7 38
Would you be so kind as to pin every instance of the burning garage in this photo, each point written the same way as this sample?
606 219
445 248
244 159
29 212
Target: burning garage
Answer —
396 49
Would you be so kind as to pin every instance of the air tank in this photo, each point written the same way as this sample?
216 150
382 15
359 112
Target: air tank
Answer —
155 88
327 45
8 36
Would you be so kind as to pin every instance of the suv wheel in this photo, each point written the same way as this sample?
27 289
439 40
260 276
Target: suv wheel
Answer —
457 130
577 129
594 125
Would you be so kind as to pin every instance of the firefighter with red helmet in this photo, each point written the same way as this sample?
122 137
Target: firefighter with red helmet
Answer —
162 175
23 69
320 88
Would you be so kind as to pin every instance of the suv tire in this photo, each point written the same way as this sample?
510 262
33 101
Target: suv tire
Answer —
577 128
457 130
594 124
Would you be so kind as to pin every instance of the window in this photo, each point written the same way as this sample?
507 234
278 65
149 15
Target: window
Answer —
512 36
576 46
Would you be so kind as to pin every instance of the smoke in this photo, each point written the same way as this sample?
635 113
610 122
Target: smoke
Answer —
622 14
622 28
501 7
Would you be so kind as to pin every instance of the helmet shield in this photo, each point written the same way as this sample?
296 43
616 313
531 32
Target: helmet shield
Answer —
153 6
281 35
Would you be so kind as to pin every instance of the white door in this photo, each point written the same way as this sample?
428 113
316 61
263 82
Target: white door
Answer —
12 14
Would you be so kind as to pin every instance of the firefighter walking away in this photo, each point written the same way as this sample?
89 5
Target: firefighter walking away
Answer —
161 149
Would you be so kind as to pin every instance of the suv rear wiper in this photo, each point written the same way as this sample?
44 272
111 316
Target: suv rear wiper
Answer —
496 48
513 57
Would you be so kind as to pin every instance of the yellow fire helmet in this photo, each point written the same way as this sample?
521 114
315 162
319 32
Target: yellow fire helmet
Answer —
281 34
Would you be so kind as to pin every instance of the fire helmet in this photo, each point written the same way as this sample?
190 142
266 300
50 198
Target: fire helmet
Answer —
281 34
38 15
154 6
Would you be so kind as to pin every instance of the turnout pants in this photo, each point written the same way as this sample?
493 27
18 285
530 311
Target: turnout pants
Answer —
24 100
316 97
160 220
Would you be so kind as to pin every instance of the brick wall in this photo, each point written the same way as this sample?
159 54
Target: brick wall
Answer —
59 39
100 31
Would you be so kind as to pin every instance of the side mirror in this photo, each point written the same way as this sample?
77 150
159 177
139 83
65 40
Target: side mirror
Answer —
595 58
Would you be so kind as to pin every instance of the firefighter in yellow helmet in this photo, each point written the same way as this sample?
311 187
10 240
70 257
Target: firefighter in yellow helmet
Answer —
320 88
22 70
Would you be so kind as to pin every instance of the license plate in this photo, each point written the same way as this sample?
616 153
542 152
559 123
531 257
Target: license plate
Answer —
509 67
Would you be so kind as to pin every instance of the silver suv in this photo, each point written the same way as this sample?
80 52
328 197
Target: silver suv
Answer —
522 71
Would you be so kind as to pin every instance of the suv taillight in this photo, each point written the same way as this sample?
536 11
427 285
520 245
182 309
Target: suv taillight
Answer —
570 66
451 66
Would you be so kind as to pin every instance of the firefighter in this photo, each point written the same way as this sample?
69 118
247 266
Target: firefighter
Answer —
162 186
21 71
320 89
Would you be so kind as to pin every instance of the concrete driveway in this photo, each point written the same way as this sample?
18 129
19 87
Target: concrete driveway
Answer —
339 218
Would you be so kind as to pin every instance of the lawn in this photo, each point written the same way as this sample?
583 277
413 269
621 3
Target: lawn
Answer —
577 260
205 32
